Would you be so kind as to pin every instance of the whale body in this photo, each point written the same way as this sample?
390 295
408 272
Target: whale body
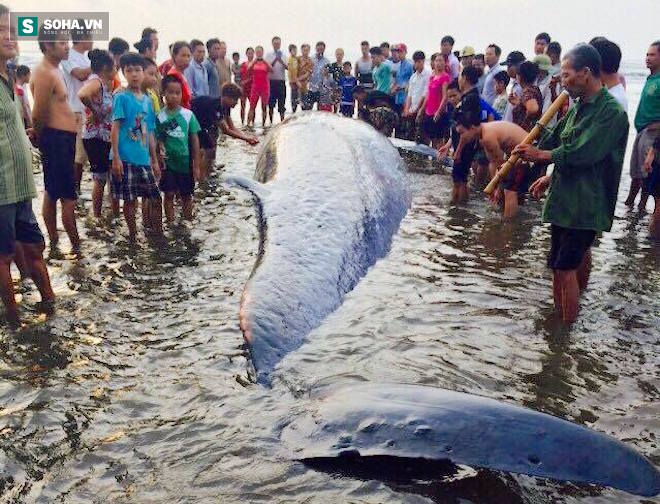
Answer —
330 193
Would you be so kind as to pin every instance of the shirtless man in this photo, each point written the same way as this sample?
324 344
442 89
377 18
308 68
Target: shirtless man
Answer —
55 134
498 138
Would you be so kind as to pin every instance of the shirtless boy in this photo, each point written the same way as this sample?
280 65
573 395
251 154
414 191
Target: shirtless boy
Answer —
55 133
498 138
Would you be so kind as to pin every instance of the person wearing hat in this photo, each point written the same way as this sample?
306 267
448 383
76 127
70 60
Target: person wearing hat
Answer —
544 63
513 61
401 80
466 56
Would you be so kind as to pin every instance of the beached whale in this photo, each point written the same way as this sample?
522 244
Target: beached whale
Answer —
331 193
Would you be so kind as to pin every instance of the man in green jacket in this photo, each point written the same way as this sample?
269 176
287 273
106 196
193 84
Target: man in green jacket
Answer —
18 224
587 148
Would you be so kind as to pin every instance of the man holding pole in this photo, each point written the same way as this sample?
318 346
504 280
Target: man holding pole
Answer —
587 148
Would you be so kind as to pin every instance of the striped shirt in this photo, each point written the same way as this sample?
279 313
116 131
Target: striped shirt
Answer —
16 179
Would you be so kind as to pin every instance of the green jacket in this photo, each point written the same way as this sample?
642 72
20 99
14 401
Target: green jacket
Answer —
588 146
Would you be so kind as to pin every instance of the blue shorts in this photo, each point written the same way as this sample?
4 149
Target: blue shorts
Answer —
18 224
58 151
347 109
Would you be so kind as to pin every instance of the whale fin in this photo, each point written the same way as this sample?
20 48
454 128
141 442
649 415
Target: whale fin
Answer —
411 422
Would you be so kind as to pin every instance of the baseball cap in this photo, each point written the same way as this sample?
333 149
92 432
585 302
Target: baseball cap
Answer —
514 58
467 51
400 48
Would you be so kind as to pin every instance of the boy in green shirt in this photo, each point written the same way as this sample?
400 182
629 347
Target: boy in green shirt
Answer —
587 149
176 132
381 72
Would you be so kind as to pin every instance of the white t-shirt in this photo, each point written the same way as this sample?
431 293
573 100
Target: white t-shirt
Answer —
417 88
278 72
73 85
453 66
619 93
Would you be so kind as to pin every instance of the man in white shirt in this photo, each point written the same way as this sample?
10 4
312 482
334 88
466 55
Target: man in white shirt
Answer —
492 57
76 69
417 89
610 56
276 79
446 48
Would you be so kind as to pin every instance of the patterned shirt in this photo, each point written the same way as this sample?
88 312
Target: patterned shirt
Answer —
16 179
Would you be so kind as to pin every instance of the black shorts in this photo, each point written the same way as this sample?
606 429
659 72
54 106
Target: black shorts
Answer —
461 170
180 183
347 110
309 99
98 153
18 224
58 151
277 95
568 246
208 139
435 129
652 181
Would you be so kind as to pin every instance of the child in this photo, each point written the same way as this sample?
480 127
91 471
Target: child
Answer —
176 132
96 95
151 83
652 185
382 74
134 161
292 67
501 82
22 78
236 68
326 90
347 84
181 55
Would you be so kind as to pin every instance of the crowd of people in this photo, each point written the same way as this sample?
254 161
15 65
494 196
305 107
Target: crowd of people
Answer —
150 132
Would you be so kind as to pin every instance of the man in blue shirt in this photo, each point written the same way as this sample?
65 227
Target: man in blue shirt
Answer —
401 79
196 73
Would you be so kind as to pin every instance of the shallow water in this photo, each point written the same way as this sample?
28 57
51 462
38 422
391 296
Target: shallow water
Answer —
137 389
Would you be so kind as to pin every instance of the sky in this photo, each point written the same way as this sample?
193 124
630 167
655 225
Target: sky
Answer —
512 24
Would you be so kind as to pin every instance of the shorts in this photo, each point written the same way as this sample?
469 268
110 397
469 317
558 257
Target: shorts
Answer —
568 246
176 182
324 107
435 129
18 224
652 182
81 153
256 94
58 149
309 99
347 109
643 142
98 152
277 95
461 170
521 177
208 139
137 182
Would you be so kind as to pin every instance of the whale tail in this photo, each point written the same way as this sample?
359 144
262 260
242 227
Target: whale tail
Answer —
413 422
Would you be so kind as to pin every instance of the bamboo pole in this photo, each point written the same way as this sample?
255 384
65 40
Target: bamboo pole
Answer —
531 136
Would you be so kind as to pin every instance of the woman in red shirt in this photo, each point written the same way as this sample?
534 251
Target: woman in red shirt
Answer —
246 80
181 55
260 89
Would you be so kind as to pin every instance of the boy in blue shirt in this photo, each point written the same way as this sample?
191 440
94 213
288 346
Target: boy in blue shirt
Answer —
134 161
347 84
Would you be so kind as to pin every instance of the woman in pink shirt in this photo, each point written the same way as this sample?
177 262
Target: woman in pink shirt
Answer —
435 125
260 89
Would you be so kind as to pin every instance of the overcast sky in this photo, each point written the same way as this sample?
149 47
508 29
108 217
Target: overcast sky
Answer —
512 24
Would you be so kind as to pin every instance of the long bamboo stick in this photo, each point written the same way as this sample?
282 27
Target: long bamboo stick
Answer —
531 136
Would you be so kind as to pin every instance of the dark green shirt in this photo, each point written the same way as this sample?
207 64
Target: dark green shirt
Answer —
648 110
588 146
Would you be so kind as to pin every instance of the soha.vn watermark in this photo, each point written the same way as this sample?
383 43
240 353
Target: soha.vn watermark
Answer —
51 26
